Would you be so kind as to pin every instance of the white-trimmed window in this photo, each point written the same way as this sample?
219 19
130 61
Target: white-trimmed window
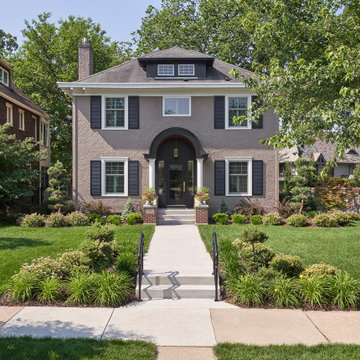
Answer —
114 176
9 114
4 76
115 113
177 106
165 70
238 106
44 134
238 177
186 69
21 120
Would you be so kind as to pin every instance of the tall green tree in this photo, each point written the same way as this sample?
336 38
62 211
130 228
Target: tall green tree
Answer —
8 43
49 54
19 170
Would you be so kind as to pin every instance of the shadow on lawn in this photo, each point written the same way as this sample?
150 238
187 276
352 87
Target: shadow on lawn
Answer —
7 243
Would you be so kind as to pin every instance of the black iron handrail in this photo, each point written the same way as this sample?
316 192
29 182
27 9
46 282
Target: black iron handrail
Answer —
140 267
215 264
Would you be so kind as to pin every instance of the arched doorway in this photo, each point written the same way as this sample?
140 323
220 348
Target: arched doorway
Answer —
175 176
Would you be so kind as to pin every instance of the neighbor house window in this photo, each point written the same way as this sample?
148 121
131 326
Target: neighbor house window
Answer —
185 69
238 106
44 134
114 176
176 106
35 128
9 114
21 120
238 177
115 113
4 76
165 69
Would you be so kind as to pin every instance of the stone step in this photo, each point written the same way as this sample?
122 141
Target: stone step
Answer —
176 217
176 212
178 292
161 279
175 222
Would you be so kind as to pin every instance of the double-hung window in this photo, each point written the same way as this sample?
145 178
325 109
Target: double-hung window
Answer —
238 177
4 76
21 120
165 69
238 106
44 134
186 69
35 128
176 106
114 180
9 114
115 113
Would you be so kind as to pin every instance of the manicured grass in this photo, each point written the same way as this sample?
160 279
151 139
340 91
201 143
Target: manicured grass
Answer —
19 245
27 348
284 352
339 247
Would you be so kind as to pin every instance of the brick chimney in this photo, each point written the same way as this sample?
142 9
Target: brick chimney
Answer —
85 59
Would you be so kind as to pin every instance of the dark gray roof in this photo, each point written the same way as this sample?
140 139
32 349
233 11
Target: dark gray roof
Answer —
131 72
313 152
176 52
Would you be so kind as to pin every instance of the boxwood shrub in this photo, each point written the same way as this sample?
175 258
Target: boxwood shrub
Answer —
288 265
297 220
256 219
220 218
238 219
273 219
33 220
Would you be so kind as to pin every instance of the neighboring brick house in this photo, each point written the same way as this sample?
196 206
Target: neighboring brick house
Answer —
164 120
25 120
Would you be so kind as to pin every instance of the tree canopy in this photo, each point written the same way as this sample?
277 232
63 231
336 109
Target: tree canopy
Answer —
8 43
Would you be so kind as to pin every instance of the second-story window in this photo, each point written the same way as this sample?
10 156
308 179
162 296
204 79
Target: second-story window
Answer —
176 106
21 120
4 76
115 112
186 69
165 69
238 106
44 134
35 128
9 114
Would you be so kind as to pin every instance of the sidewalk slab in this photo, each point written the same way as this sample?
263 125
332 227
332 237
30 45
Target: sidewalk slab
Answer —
264 327
338 326
185 353
59 322
7 312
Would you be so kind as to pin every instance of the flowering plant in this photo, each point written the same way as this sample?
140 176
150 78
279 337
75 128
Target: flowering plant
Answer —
149 194
202 194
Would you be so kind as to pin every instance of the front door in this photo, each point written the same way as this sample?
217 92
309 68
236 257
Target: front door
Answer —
175 175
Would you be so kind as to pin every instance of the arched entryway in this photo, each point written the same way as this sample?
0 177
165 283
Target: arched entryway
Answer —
175 166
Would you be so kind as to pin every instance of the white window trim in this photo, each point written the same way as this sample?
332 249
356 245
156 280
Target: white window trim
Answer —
3 70
173 70
103 113
23 114
175 97
9 106
249 161
193 70
227 127
104 160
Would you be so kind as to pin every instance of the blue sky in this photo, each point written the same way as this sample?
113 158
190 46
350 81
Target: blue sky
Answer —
118 17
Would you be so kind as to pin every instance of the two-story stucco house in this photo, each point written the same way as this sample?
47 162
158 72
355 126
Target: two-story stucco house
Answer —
165 120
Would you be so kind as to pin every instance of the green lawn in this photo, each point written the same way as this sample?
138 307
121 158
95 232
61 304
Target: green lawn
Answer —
339 247
19 245
27 348
284 352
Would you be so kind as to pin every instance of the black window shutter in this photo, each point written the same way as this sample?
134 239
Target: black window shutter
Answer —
219 112
219 177
257 177
95 112
133 178
259 123
133 107
95 177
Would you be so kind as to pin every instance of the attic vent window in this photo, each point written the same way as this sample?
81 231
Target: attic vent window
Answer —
186 69
352 152
165 69
4 76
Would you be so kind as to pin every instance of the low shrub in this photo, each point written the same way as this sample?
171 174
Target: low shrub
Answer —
97 207
248 289
81 289
263 256
256 219
134 219
220 218
98 232
56 220
249 207
341 218
238 219
93 218
73 262
345 291
23 287
43 267
284 292
126 261
297 220
112 289
315 290
324 220
267 273
273 219
50 290
288 265
252 235
114 219
313 213
77 218
353 216
33 220
320 270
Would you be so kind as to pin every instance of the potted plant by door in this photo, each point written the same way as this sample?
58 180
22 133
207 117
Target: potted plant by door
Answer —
149 196
202 196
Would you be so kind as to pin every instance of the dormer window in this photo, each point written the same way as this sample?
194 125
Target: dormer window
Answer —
4 76
186 70
352 152
165 70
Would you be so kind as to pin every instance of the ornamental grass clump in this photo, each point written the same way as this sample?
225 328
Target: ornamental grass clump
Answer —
50 290
345 291
81 289
23 287
315 290
284 292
